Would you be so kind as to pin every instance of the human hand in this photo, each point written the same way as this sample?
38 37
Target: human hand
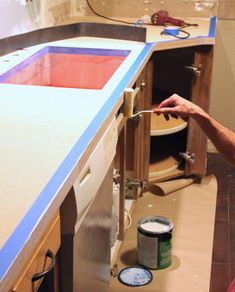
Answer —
176 106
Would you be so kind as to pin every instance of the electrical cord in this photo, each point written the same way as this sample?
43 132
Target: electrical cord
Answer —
139 22
106 17
129 219
187 34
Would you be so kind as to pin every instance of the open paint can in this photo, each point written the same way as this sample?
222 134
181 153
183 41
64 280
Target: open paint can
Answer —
154 242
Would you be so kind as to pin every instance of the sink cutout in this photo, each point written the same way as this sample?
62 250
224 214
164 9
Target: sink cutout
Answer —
67 67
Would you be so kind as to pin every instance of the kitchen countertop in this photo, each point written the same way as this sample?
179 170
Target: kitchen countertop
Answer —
47 132
204 33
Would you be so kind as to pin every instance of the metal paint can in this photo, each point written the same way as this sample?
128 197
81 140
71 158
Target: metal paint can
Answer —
154 242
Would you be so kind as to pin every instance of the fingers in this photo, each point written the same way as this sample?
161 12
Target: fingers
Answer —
167 112
172 106
169 102
166 116
175 116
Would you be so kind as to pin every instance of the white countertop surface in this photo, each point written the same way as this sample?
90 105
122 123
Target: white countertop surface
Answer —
41 125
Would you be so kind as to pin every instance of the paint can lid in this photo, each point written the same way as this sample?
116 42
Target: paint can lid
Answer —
135 276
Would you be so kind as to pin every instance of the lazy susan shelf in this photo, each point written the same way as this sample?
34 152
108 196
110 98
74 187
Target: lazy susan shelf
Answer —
159 126
164 156
163 167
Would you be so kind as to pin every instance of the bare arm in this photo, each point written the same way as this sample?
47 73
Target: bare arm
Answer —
221 137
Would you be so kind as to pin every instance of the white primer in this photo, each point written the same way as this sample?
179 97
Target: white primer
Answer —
154 226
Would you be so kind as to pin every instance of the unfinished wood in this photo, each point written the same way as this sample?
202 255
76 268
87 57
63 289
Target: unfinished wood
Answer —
142 136
167 187
165 157
163 166
159 125
38 262
138 131
192 211
173 174
174 74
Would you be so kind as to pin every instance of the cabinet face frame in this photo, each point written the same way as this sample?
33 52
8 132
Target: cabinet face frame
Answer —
133 150
138 131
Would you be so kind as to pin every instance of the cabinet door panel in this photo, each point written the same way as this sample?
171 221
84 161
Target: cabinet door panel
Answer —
197 140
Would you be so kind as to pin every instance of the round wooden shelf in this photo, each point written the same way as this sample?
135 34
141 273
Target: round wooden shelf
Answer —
163 167
159 126
164 155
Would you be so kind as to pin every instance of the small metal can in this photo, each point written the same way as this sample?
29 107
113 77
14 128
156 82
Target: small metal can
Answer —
154 242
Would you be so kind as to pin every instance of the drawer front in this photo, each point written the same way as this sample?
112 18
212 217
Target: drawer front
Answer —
38 261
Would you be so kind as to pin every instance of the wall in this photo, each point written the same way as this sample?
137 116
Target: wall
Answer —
223 78
138 8
19 16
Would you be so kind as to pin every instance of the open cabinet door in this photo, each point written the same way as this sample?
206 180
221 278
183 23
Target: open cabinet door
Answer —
197 140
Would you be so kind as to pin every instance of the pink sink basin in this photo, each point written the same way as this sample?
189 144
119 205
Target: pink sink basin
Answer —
67 67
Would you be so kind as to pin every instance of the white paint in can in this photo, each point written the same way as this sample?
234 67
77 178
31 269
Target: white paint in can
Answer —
155 227
154 242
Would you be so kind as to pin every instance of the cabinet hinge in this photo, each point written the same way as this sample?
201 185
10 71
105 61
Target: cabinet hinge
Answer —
196 69
114 271
135 183
190 157
142 84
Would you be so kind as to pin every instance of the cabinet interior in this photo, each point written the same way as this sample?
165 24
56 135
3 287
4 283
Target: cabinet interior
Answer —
171 74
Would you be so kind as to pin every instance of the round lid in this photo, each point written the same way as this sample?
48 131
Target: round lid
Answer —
135 276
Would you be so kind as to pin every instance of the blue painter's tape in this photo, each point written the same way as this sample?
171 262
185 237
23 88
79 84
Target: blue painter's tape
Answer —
61 50
19 237
22 65
212 28
87 51
171 30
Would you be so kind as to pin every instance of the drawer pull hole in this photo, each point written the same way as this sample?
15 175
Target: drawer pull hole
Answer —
38 276
85 176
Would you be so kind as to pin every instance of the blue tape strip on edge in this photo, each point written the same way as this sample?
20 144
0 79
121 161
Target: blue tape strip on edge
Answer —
212 27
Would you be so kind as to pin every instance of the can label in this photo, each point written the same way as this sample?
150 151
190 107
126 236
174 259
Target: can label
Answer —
154 242
164 254
152 253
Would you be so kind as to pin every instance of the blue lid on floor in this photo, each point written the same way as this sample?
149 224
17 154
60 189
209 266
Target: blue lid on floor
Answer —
135 276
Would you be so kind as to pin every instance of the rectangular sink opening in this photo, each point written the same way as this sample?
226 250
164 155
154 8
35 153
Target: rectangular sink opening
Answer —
67 67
